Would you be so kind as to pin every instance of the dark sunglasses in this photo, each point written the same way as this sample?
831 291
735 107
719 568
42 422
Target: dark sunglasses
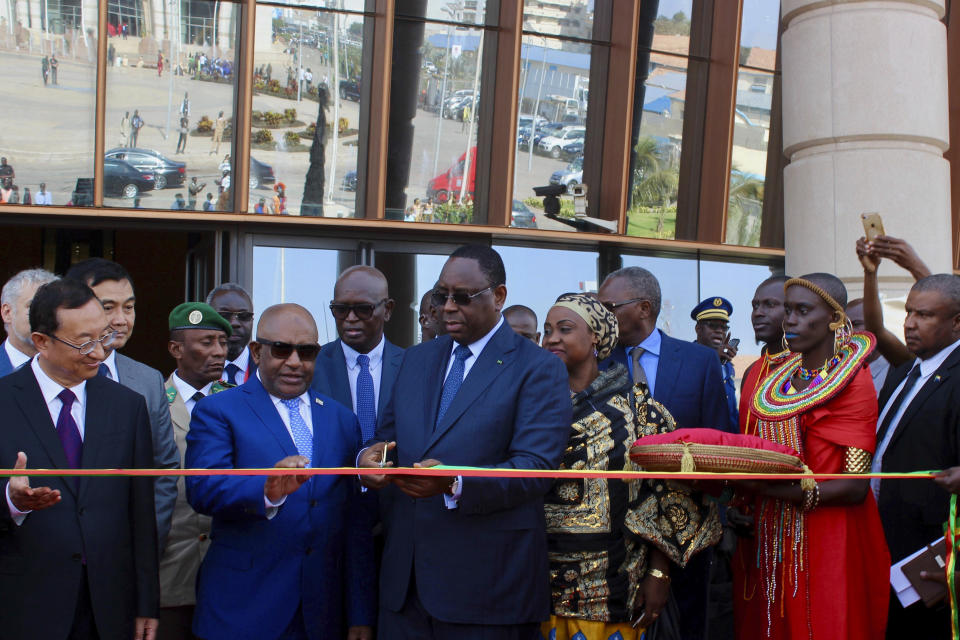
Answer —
242 316
282 350
460 298
613 306
363 310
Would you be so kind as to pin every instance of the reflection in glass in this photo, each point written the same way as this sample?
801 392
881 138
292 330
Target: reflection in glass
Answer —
306 111
169 108
468 12
678 291
551 132
758 33
536 277
434 158
303 276
569 18
751 133
656 167
48 66
671 29
736 282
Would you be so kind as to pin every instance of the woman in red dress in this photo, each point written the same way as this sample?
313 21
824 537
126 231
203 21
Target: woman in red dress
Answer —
817 566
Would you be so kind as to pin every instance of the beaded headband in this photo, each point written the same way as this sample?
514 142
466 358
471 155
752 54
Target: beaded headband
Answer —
824 295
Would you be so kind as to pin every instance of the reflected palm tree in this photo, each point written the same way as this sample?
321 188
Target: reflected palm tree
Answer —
744 209
655 180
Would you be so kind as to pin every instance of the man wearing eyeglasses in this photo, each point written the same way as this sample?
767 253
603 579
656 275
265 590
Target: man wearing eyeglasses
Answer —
466 557
113 286
291 557
234 303
80 552
685 377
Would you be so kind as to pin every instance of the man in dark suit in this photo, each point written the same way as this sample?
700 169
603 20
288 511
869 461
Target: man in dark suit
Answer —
358 369
685 377
113 286
712 316
919 428
290 556
15 309
234 303
466 557
79 555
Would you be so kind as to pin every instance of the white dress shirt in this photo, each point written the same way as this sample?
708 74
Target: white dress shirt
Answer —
242 362
42 197
17 358
307 414
927 369
111 363
50 390
375 367
186 391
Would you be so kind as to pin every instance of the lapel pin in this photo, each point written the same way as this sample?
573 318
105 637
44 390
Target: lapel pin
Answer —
318 401
937 378
499 361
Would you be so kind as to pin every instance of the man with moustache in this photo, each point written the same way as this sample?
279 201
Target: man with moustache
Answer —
291 556
79 554
466 558
713 330
15 309
198 344
234 303
113 286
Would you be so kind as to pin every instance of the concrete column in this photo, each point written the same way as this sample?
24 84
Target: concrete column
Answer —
865 125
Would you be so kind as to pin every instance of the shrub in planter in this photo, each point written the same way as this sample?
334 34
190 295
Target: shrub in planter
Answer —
262 136
272 118
204 125
259 85
273 85
342 125
256 116
291 138
290 115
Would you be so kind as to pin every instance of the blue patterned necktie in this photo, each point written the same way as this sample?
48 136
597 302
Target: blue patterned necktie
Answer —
301 432
104 370
232 371
366 403
452 384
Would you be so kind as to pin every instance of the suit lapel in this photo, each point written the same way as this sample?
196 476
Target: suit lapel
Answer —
668 369
392 357
34 408
432 387
930 387
97 418
335 368
493 359
262 405
894 378
6 367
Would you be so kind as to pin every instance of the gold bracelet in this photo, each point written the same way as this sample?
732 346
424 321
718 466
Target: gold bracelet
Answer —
659 575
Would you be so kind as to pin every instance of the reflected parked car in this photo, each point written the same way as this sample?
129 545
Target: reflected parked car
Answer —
120 178
569 176
554 144
166 172
522 216
350 89
350 181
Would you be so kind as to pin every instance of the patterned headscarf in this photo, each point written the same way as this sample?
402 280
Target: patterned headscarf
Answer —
600 320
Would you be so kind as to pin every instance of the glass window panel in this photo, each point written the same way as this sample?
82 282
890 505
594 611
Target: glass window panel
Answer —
51 140
551 130
343 5
570 271
437 157
655 180
570 18
736 281
468 12
678 291
170 94
671 29
758 33
327 47
751 133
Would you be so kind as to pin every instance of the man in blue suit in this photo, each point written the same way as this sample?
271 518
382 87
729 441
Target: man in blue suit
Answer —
290 555
686 378
15 301
358 369
466 558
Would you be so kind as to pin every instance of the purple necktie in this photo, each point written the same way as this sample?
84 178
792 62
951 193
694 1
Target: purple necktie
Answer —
68 431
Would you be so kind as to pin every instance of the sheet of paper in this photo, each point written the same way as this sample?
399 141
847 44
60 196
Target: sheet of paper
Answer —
901 585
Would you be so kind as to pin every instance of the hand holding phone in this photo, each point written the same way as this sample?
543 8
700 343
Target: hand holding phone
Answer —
872 225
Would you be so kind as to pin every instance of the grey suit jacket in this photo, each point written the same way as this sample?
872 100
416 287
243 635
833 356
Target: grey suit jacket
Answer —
148 382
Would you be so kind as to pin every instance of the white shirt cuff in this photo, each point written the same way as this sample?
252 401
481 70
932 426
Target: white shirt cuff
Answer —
17 515
453 501
270 507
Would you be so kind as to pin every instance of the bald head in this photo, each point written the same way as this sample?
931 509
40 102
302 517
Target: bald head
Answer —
361 306
280 316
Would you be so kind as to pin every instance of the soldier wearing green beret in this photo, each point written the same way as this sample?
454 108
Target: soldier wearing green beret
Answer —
198 342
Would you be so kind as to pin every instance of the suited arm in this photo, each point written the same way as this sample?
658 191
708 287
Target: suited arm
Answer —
713 407
541 429
165 456
144 528
360 571
210 446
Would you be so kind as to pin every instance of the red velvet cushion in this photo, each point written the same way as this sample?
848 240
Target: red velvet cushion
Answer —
716 437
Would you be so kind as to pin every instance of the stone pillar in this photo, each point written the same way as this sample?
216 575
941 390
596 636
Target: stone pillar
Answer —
865 125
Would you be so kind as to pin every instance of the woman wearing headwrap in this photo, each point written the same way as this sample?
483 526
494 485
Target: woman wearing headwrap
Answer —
611 543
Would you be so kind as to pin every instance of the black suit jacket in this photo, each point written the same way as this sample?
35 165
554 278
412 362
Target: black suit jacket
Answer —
927 437
107 522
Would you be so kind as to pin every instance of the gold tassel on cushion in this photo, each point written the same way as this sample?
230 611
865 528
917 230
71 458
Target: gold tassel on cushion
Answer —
687 465
807 483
